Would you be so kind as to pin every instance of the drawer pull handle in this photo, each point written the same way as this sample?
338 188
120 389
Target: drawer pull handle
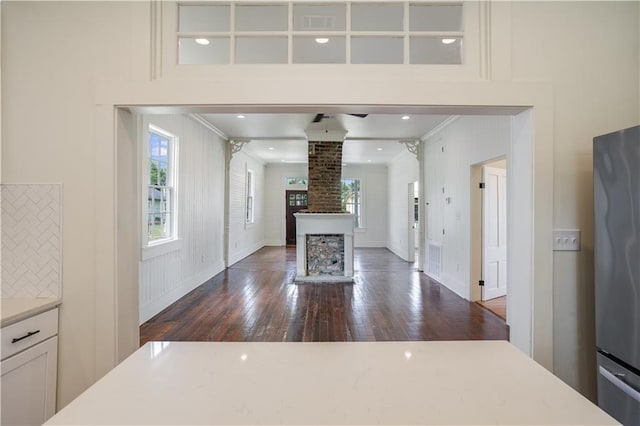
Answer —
29 334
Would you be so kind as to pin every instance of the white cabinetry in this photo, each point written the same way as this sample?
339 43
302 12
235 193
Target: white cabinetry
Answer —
29 369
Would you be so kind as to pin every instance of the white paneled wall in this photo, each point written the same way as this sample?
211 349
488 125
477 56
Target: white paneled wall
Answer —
245 238
200 255
403 170
448 157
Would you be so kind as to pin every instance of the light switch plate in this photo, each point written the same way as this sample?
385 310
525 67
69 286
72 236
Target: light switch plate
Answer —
566 240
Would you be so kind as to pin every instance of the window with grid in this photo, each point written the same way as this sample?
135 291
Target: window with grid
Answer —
332 33
161 192
352 199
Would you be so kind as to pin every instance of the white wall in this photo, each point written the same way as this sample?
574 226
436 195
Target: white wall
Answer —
590 53
402 171
66 64
201 162
373 188
275 231
245 238
449 156
373 181
56 55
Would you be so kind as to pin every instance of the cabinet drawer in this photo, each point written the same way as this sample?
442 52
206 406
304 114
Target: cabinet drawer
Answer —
21 335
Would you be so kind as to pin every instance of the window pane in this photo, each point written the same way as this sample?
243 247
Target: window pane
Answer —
377 17
377 50
153 198
435 17
351 200
158 226
435 50
261 18
253 50
307 51
166 200
164 150
204 18
153 144
192 51
319 17
162 174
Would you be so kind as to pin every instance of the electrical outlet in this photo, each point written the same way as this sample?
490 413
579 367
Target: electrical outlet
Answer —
566 240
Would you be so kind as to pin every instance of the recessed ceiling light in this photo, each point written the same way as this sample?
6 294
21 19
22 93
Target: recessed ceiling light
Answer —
379 149
448 40
271 148
240 116
202 41
368 161
405 117
322 40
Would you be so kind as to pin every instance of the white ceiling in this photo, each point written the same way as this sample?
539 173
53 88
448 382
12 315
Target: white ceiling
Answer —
280 137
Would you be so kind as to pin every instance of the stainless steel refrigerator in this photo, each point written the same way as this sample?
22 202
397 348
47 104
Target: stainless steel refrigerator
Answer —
616 163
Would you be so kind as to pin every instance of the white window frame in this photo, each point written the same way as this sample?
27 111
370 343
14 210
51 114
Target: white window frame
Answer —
474 52
157 247
250 205
361 221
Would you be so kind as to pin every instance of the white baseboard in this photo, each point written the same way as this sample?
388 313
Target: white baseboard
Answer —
155 306
371 244
452 285
241 254
276 243
398 253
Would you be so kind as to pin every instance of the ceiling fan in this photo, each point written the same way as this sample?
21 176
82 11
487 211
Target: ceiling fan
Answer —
318 118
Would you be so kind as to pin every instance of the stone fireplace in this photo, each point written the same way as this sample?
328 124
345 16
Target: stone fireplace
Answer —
324 247
324 232
325 254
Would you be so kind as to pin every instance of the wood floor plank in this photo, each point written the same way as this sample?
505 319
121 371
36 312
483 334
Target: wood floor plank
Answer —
256 300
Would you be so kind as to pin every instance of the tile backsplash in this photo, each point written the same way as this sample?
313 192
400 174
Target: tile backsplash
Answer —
31 240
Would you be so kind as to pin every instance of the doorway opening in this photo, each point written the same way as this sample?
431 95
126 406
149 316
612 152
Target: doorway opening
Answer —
521 144
413 221
490 255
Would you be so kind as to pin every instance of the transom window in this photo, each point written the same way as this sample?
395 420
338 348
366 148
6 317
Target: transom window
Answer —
336 33
161 196
297 181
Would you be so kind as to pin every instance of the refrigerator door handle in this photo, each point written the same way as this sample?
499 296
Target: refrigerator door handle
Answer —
619 383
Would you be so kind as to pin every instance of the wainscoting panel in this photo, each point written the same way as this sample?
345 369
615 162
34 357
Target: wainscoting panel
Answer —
201 162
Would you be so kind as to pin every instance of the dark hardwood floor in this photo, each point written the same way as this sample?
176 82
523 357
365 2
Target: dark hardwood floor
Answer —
255 300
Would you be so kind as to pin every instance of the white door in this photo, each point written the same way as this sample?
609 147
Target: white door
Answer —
494 233
411 226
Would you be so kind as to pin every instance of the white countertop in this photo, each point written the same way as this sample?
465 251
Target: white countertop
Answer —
481 382
14 310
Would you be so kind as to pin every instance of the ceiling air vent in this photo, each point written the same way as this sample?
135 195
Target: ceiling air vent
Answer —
317 22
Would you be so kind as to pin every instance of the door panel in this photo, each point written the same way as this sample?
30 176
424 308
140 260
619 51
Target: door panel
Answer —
294 202
494 232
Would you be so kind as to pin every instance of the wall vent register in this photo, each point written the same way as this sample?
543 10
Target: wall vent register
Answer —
335 33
